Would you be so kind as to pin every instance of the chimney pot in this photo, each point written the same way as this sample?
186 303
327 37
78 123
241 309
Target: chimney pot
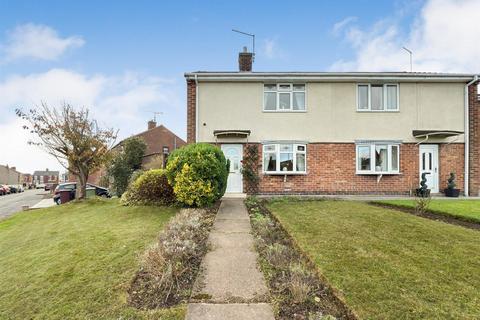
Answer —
245 61
151 124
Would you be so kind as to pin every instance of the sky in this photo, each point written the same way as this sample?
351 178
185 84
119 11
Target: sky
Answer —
125 59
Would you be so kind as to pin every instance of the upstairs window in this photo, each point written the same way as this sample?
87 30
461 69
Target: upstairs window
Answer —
284 158
378 158
284 97
377 97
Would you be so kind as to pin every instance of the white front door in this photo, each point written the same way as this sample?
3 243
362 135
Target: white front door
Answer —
234 153
429 164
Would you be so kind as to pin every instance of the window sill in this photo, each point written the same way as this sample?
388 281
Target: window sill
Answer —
279 173
285 111
360 173
378 111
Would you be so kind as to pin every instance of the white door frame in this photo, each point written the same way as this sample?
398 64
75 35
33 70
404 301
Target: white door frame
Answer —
432 165
235 171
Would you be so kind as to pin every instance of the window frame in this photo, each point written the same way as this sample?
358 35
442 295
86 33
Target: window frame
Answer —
290 92
373 164
385 86
277 155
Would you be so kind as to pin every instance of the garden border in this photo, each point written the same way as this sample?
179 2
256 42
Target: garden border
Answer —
142 286
431 215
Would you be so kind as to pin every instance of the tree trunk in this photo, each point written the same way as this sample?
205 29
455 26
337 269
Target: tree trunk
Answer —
82 184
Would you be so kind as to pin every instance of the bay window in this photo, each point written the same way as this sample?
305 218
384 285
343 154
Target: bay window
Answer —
284 97
378 158
284 158
377 97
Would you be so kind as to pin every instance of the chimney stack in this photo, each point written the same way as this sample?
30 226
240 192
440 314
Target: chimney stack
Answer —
151 124
245 61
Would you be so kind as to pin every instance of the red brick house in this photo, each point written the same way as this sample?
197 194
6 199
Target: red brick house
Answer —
160 143
340 133
42 177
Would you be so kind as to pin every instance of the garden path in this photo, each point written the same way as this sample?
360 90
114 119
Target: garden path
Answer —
230 285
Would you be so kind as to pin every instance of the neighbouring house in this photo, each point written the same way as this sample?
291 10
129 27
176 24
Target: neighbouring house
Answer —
27 179
339 133
45 177
160 143
10 175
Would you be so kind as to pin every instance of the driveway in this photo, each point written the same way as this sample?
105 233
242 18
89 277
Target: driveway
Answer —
13 203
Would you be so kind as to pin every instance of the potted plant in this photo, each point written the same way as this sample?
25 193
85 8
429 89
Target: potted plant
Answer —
423 191
451 191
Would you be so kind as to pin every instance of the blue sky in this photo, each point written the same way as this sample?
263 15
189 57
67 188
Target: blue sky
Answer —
171 37
123 59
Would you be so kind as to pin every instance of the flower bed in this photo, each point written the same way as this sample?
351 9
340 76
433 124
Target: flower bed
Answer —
169 268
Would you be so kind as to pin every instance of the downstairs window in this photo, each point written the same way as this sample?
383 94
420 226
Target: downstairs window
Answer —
378 158
284 158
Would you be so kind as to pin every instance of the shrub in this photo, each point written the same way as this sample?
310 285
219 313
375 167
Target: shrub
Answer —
198 174
150 188
301 283
278 255
125 162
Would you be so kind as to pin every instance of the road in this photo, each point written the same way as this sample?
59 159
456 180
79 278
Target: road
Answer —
13 203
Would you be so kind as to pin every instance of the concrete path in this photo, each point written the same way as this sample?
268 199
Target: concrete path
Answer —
230 285
45 203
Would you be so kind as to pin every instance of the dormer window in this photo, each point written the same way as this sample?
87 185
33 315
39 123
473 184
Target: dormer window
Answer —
284 97
377 97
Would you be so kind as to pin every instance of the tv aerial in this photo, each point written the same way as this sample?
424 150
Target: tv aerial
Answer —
250 35
155 114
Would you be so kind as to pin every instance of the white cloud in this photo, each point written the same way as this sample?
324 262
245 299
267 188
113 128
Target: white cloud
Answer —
340 25
37 42
120 101
442 38
271 50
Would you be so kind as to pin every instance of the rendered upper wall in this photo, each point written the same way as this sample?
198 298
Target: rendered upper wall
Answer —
331 114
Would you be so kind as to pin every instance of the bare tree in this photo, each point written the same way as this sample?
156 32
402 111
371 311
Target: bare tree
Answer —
72 137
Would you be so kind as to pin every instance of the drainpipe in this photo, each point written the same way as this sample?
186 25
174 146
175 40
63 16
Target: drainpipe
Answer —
467 137
196 108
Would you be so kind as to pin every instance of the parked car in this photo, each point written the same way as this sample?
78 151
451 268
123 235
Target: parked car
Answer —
5 189
72 187
40 186
13 189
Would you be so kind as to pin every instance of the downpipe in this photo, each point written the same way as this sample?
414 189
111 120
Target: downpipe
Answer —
466 181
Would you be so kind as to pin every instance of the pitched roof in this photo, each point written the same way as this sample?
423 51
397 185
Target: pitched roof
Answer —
46 173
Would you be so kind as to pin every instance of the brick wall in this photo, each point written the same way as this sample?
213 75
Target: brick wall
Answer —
451 158
474 129
331 170
191 112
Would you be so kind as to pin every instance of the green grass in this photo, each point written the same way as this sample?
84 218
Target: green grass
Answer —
462 209
75 261
388 264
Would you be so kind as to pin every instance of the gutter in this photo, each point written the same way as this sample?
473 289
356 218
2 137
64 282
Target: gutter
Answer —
196 108
467 137
299 76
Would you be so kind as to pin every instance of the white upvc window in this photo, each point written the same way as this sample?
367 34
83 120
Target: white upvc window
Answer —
284 158
378 97
278 97
378 158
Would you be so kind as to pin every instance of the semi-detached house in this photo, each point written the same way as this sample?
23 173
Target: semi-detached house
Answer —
340 133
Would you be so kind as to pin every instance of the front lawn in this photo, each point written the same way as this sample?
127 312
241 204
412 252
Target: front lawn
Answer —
75 261
388 264
468 210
